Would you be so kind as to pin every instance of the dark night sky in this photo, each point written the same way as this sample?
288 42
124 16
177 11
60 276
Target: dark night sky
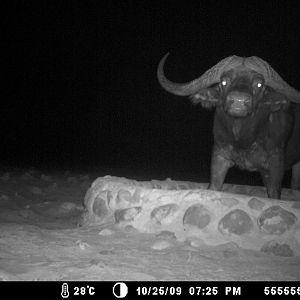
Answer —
80 78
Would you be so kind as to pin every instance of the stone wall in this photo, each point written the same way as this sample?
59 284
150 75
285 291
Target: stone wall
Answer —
198 215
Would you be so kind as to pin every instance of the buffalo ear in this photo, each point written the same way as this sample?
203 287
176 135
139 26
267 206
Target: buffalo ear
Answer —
277 101
208 97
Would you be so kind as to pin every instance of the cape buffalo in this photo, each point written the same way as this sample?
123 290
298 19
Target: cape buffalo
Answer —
256 122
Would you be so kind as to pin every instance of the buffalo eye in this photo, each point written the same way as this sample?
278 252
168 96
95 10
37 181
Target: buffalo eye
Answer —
224 82
258 83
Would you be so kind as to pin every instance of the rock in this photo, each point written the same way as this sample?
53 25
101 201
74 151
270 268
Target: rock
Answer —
237 222
123 195
127 214
276 220
164 213
99 208
229 202
256 204
277 249
197 215
82 245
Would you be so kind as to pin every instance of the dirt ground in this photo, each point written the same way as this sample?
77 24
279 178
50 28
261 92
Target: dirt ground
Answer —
40 239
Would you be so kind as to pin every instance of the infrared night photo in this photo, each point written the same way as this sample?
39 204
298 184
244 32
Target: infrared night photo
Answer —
151 141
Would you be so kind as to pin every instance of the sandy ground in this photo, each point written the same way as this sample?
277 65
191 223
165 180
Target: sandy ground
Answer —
40 239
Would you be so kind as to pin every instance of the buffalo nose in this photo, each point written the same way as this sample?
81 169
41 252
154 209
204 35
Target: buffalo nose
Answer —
239 97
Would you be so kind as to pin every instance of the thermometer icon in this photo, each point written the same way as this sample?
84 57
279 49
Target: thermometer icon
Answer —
64 290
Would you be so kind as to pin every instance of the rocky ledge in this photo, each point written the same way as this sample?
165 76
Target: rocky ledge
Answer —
239 214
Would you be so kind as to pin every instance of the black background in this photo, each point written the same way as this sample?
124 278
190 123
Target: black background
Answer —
80 87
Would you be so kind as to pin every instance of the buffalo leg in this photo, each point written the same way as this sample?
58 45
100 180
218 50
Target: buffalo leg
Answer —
295 182
272 177
219 168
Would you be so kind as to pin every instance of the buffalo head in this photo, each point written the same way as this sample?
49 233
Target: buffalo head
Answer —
236 83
